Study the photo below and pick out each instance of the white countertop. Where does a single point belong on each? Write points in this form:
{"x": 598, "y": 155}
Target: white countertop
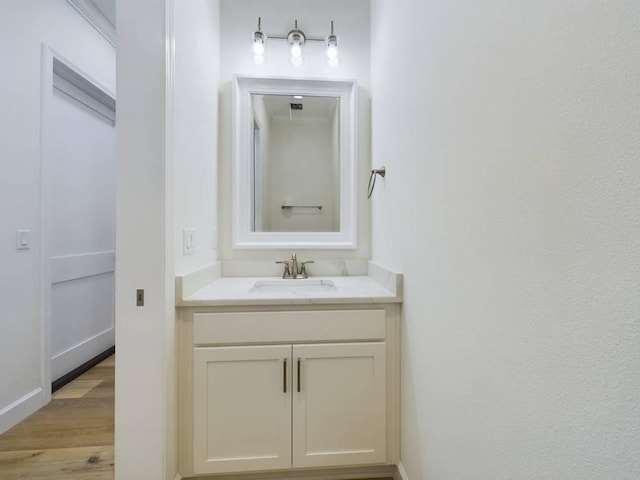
{"x": 234, "y": 291}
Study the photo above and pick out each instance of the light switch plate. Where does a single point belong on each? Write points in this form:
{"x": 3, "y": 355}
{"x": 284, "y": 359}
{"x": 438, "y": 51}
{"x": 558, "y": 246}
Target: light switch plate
{"x": 188, "y": 241}
{"x": 23, "y": 239}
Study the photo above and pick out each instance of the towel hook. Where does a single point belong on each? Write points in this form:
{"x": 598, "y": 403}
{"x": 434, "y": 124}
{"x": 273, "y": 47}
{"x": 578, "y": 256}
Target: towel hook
{"x": 382, "y": 171}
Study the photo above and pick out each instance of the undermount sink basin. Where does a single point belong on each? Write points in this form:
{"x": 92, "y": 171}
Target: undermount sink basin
{"x": 299, "y": 286}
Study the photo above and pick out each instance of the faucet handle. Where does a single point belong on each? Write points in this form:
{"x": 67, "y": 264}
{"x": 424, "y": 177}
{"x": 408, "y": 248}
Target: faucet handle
{"x": 287, "y": 268}
{"x": 303, "y": 269}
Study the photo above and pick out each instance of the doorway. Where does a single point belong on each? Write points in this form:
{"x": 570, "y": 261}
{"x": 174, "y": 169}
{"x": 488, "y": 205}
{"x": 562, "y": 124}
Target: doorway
{"x": 78, "y": 223}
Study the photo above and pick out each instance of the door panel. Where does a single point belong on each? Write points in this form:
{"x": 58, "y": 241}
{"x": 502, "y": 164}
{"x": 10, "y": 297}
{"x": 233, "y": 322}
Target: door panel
{"x": 80, "y": 210}
{"x": 242, "y": 413}
{"x": 339, "y": 411}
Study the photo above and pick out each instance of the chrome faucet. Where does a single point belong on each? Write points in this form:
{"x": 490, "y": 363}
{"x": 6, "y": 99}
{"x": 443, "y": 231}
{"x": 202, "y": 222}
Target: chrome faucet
{"x": 294, "y": 265}
{"x": 291, "y": 269}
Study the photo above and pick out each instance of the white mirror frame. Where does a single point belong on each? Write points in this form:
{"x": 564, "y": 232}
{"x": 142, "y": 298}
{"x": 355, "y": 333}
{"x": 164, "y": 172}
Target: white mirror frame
{"x": 243, "y": 236}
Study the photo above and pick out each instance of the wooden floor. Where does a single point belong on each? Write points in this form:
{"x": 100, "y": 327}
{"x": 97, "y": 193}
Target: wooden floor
{"x": 71, "y": 438}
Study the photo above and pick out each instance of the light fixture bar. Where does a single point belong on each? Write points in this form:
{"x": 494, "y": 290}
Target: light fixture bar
{"x": 296, "y": 39}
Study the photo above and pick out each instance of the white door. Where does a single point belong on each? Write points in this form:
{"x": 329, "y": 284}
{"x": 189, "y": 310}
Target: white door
{"x": 242, "y": 408}
{"x": 339, "y": 404}
{"x": 79, "y": 171}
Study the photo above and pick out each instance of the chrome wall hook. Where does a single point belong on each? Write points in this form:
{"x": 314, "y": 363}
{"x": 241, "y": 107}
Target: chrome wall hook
{"x": 382, "y": 171}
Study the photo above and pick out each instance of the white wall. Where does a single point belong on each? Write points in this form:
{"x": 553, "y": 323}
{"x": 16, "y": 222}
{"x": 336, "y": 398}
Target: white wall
{"x": 512, "y": 205}
{"x": 238, "y": 21}
{"x": 197, "y": 44}
{"x": 24, "y": 26}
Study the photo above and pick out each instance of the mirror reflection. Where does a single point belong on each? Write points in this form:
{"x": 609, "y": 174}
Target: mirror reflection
{"x": 296, "y": 163}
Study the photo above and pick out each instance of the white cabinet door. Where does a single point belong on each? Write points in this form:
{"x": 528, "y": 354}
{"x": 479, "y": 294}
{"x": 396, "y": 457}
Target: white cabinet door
{"x": 339, "y": 404}
{"x": 242, "y": 408}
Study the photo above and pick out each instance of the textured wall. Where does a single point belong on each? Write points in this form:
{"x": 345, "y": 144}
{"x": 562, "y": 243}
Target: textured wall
{"x": 512, "y": 203}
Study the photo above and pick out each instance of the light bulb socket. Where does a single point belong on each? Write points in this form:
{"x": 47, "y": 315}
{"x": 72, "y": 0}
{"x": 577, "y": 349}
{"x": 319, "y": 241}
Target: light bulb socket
{"x": 259, "y": 37}
{"x": 296, "y": 38}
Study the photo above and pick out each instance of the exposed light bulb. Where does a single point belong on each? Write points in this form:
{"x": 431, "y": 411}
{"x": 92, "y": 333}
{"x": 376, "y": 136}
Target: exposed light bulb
{"x": 259, "y": 40}
{"x": 332, "y": 48}
{"x": 296, "y": 41}
{"x": 258, "y": 47}
{"x": 296, "y": 51}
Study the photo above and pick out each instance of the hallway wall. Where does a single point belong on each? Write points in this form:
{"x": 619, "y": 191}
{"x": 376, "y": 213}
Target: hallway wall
{"x": 510, "y": 133}
{"x": 24, "y": 26}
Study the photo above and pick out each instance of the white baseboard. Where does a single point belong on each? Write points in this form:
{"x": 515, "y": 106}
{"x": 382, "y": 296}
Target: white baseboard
{"x": 72, "y": 358}
{"x": 17, "y": 411}
{"x": 401, "y": 473}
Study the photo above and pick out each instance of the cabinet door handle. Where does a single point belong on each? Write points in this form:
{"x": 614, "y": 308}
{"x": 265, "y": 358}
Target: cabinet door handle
{"x": 299, "y": 374}
{"x": 284, "y": 376}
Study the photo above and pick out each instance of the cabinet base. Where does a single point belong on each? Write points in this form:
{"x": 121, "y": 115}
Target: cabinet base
{"x": 354, "y": 473}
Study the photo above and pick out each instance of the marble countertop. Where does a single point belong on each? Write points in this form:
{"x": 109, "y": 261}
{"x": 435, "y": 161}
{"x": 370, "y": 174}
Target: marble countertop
{"x": 234, "y": 291}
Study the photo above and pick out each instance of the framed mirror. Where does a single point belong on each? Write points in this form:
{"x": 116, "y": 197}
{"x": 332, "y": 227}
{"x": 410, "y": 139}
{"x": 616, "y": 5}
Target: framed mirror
{"x": 295, "y": 159}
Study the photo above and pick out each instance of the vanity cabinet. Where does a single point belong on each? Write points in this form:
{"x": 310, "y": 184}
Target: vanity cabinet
{"x": 288, "y": 389}
{"x": 271, "y": 407}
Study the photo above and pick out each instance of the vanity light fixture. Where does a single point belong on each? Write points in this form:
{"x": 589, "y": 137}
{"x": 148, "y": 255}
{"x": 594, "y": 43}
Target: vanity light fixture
{"x": 296, "y": 40}
{"x": 259, "y": 39}
{"x": 332, "y": 49}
